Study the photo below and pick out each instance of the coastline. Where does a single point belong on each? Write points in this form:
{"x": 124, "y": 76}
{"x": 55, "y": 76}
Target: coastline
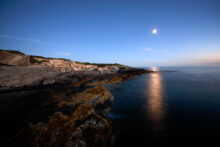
{"x": 65, "y": 108}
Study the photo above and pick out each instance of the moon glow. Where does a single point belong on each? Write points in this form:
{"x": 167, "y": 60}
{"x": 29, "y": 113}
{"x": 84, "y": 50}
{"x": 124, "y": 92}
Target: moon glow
{"x": 154, "y": 31}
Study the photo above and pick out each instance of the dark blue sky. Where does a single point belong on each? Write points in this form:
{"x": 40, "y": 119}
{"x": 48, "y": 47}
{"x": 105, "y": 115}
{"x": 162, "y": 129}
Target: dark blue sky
{"x": 114, "y": 30}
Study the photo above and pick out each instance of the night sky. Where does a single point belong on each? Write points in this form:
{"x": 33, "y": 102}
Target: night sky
{"x": 187, "y": 32}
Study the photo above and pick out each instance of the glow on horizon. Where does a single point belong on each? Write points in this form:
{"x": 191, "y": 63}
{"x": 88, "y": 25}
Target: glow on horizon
{"x": 200, "y": 59}
{"x": 181, "y": 59}
{"x": 154, "y": 69}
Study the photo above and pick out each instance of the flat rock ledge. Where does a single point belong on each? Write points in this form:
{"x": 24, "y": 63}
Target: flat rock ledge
{"x": 69, "y": 112}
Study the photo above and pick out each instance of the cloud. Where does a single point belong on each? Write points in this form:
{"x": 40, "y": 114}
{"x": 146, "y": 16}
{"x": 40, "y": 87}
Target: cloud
{"x": 25, "y": 39}
{"x": 63, "y": 54}
{"x": 164, "y": 51}
{"x": 147, "y": 49}
{"x": 19, "y": 38}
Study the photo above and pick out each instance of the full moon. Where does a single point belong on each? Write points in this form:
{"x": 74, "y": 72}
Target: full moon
{"x": 154, "y": 31}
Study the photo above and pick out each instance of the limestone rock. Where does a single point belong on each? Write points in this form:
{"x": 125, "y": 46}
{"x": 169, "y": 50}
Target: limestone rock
{"x": 14, "y": 58}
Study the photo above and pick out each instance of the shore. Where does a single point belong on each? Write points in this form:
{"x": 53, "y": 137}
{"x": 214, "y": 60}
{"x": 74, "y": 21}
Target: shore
{"x": 57, "y": 102}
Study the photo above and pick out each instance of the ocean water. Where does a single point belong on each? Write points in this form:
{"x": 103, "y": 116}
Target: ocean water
{"x": 180, "y": 107}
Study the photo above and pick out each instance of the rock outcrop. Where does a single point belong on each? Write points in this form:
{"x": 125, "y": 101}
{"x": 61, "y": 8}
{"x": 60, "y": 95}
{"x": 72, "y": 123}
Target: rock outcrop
{"x": 19, "y": 69}
{"x": 75, "y": 123}
{"x": 14, "y": 58}
{"x": 61, "y": 65}
{"x": 56, "y": 102}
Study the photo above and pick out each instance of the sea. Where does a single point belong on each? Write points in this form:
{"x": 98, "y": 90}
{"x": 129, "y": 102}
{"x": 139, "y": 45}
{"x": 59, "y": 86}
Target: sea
{"x": 172, "y": 106}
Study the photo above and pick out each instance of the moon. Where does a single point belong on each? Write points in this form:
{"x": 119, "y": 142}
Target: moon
{"x": 154, "y": 31}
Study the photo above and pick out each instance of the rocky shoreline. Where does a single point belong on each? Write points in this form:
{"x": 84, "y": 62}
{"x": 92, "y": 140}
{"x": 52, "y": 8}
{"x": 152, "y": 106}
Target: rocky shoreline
{"x": 57, "y": 102}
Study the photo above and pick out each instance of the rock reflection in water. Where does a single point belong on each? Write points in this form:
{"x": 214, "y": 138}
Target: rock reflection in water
{"x": 155, "y": 104}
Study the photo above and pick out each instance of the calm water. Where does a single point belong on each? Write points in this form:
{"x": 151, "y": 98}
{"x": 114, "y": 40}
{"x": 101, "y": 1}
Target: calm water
{"x": 172, "y": 107}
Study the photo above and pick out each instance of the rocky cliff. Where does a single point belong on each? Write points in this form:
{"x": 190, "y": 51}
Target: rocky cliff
{"x": 56, "y": 102}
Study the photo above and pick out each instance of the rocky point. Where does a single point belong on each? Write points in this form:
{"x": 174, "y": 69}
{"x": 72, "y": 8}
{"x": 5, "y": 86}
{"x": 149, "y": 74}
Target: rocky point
{"x": 57, "y": 102}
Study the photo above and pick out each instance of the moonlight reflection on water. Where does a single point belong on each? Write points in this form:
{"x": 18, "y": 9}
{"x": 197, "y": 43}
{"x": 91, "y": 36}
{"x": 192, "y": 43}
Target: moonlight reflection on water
{"x": 155, "y": 104}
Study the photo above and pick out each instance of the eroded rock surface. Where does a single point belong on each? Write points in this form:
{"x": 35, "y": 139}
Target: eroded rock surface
{"x": 56, "y": 102}
{"x": 74, "y": 124}
{"x": 14, "y": 58}
{"x": 18, "y": 69}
